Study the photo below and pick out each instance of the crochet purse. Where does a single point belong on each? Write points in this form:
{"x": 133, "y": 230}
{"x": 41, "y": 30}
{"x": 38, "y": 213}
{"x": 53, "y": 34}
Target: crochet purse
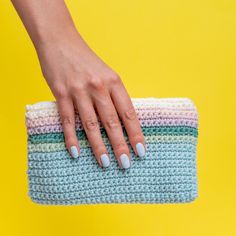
{"x": 166, "y": 174}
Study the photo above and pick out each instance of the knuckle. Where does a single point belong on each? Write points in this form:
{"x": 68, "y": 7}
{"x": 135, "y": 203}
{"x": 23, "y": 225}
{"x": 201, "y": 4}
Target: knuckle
{"x": 112, "y": 122}
{"x": 115, "y": 79}
{"x": 130, "y": 114}
{"x": 61, "y": 92}
{"x": 77, "y": 88}
{"x": 120, "y": 145}
{"x": 66, "y": 120}
{"x": 97, "y": 84}
{"x": 91, "y": 124}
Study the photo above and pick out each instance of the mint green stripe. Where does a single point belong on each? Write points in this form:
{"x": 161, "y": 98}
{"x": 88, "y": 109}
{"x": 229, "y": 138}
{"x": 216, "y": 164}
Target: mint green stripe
{"x": 147, "y": 131}
{"x": 54, "y": 147}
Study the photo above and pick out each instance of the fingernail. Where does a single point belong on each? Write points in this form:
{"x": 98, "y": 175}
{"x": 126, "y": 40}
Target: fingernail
{"x": 74, "y": 152}
{"x": 140, "y": 149}
{"x": 105, "y": 160}
{"x": 125, "y": 162}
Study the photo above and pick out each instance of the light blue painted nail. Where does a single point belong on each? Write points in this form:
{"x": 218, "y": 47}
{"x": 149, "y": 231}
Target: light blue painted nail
{"x": 105, "y": 160}
{"x": 74, "y": 152}
{"x": 140, "y": 149}
{"x": 125, "y": 162}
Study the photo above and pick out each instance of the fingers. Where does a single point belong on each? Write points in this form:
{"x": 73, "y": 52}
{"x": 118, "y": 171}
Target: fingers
{"x": 129, "y": 118}
{"x": 67, "y": 115}
{"x": 111, "y": 122}
{"x": 111, "y": 102}
{"x": 89, "y": 120}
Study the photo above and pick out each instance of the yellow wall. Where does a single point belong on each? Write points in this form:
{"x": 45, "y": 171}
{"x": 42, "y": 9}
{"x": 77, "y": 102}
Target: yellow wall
{"x": 174, "y": 48}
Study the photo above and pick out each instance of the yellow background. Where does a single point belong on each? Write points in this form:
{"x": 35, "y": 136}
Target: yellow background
{"x": 174, "y": 48}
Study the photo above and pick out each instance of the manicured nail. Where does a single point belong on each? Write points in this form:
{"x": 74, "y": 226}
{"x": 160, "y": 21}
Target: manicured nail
{"x": 125, "y": 162}
{"x": 74, "y": 152}
{"x": 105, "y": 160}
{"x": 140, "y": 149}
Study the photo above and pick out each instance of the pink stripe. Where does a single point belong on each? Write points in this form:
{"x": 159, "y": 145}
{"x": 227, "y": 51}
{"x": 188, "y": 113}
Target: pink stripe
{"x": 53, "y": 128}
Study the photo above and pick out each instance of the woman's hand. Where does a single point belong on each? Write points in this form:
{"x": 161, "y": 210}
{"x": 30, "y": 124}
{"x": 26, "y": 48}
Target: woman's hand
{"x": 81, "y": 81}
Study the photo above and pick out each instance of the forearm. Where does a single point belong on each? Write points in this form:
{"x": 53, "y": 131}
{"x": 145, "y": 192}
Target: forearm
{"x": 45, "y": 20}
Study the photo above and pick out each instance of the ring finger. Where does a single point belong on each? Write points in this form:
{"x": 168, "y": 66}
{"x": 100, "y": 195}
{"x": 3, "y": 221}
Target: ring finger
{"x": 89, "y": 121}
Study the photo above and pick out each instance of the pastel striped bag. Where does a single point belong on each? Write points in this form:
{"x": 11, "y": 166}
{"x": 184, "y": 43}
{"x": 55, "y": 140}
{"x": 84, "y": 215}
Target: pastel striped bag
{"x": 166, "y": 174}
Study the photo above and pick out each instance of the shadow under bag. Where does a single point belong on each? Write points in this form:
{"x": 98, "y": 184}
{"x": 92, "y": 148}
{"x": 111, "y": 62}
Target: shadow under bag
{"x": 166, "y": 174}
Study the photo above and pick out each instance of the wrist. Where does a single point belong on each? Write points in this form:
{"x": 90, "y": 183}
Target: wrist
{"x": 47, "y": 37}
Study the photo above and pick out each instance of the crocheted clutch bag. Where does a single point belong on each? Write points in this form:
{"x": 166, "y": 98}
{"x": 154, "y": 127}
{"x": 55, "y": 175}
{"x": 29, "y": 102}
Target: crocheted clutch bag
{"x": 167, "y": 173}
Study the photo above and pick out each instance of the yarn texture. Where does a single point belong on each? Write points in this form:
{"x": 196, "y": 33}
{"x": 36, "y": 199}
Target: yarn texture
{"x": 166, "y": 174}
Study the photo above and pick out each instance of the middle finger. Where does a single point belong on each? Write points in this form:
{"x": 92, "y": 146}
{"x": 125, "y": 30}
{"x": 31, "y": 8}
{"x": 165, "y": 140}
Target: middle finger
{"x": 111, "y": 122}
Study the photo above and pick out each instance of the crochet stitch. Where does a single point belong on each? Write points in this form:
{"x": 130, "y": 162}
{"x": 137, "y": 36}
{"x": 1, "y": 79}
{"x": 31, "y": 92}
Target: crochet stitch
{"x": 166, "y": 174}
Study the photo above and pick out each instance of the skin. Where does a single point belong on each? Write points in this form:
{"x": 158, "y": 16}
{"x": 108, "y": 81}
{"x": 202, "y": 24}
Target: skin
{"x": 79, "y": 80}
